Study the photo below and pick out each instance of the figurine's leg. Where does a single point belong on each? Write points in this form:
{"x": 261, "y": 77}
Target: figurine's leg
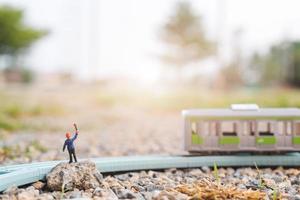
{"x": 74, "y": 154}
{"x": 70, "y": 156}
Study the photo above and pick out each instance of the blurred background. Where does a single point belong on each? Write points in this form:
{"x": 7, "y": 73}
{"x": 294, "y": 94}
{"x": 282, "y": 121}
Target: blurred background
{"x": 124, "y": 70}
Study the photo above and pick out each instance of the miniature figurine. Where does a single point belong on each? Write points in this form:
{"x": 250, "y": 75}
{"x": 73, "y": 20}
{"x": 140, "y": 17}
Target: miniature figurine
{"x": 70, "y": 145}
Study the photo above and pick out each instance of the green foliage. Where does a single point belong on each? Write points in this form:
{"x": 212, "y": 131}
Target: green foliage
{"x": 35, "y": 144}
{"x": 62, "y": 195}
{"x": 293, "y": 69}
{"x": 27, "y": 75}
{"x": 13, "y": 110}
{"x": 15, "y": 36}
{"x": 9, "y": 124}
{"x": 216, "y": 173}
{"x": 280, "y": 65}
{"x": 185, "y": 36}
{"x": 275, "y": 195}
{"x": 15, "y": 151}
{"x": 10, "y": 152}
{"x": 261, "y": 185}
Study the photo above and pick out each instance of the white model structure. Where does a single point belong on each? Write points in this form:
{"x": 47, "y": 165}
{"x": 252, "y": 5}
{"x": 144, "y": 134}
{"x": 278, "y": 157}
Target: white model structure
{"x": 242, "y": 128}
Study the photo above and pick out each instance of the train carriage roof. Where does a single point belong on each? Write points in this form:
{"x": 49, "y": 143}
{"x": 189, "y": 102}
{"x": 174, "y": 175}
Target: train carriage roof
{"x": 267, "y": 113}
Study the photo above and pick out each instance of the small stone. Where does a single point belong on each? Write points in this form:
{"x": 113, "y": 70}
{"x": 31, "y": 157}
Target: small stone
{"x": 45, "y": 197}
{"x": 196, "y": 173}
{"x": 152, "y": 187}
{"x": 297, "y": 197}
{"x": 27, "y": 195}
{"x": 125, "y": 194}
{"x": 205, "y": 169}
{"x": 122, "y": 177}
{"x": 11, "y": 190}
{"x": 5, "y": 197}
{"x": 104, "y": 193}
{"x": 38, "y": 185}
{"x": 75, "y": 195}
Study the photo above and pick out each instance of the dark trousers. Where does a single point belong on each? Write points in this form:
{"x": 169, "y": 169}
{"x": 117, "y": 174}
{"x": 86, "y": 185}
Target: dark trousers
{"x": 71, "y": 155}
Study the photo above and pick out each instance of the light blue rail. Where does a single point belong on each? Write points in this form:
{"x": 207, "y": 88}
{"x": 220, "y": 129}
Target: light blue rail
{"x": 23, "y": 174}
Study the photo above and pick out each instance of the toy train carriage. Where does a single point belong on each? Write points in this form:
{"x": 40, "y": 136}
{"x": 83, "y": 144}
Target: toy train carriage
{"x": 242, "y": 128}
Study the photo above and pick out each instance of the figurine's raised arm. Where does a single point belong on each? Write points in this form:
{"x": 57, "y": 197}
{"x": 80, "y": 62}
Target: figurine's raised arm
{"x": 76, "y": 132}
{"x": 76, "y": 129}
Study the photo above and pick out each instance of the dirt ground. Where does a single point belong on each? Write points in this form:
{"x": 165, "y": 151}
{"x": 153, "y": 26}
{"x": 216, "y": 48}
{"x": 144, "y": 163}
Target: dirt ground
{"x": 108, "y": 126}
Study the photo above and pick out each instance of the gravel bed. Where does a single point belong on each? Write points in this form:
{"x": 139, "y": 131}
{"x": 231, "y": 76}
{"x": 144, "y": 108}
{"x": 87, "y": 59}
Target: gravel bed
{"x": 200, "y": 183}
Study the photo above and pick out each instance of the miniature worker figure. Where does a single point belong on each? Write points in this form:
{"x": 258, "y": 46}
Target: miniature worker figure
{"x": 70, "y": 146}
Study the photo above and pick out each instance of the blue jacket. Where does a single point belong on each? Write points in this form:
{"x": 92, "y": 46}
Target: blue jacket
{"x": 69, "y": 143}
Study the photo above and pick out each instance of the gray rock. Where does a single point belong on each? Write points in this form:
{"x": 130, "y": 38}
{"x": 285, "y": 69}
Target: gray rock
{"x": 81, "y": 175}
{"x": 152, "y": 187}
{"x": 28, "y": 194}
{"x": 11, "y": 190}
{"x": 297, "y": 197}
{"x": 6, "y": 197}
{"x": 45, "y": 197}
{"x": 122, "y": 177}
{"x": 38, "y": 185}
{"x": 205, "y": 169}
{"x": 75, "y": 195}
{"x": 127, "y": 194}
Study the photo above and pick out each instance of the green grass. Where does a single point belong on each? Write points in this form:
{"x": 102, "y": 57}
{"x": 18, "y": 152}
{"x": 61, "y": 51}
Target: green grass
{"x": 275, "y": 195}
{"x": 15, "y": 109}
{"x": 24, "y": 109}
{"x": 216, "y": 173}
{"x": 177, "y": 99}
{"x": 10, "y": 152}
{"x": 261, "y": 185}
{"x": 9, "y": 124}
{"x": 15, "y": 151}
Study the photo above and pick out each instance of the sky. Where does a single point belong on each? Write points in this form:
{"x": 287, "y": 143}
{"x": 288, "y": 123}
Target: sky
{"x": 100, "y": 38}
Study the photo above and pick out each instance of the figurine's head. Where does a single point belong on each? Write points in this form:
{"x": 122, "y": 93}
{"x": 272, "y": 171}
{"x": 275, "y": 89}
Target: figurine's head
{"x": 68, "y": 135}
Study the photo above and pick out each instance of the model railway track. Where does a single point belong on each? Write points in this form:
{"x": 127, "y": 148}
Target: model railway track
{"x": 23, "y": 174}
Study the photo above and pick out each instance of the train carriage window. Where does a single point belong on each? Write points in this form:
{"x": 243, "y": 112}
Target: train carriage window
{"x": 252, "y": 125}
{"x": 265, "y": 128}
{"x": 244, "y": 129}
{"x": 284, "y": 127}
{"x": 288, "y": 128}
{"x": 194, "y": 128}
{"x": 281, "y": 128}
{"x": 205, "y": 128}
{"x": 213, "y": 129}
{"x": 297, "y": 128}
{"x": 209, "y": 128}
{"x": 248, "y": 128}
{"x": 229, "y": 128}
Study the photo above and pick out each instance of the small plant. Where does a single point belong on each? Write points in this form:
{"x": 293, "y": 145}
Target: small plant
{"x": 261, "y": 182}
{"x": 275, "y": 194}
{"x": 216, "y": 173}
{"x": 62, "y": 191}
